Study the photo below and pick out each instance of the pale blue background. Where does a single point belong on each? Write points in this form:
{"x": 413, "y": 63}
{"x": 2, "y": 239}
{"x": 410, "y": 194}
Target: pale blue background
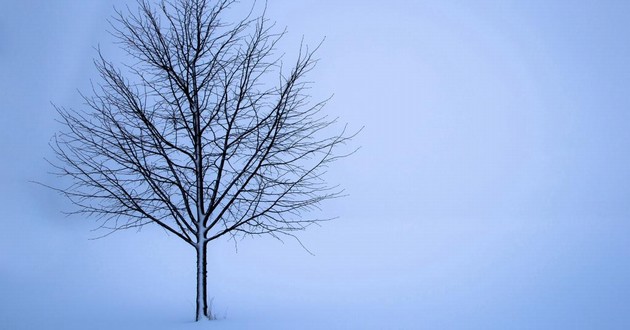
{"x": 491, "y": 190}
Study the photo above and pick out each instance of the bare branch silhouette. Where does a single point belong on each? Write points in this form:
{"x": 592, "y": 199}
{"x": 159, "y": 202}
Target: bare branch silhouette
{"x": 205, "y": 134}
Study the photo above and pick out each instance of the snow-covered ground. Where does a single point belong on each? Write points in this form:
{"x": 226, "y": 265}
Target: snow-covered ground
{"x": 414, "y": 275}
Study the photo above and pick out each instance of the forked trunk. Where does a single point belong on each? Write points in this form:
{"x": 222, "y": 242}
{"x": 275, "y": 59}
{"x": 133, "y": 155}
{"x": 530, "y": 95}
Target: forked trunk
{"x": 202, "y": 293}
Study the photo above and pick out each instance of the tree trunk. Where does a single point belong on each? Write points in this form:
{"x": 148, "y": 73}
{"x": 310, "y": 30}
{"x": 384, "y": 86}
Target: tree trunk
{"x": 202, "y": 294}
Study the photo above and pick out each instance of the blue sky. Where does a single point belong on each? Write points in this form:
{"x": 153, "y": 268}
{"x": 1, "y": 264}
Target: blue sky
{"x": 490, "y": 190}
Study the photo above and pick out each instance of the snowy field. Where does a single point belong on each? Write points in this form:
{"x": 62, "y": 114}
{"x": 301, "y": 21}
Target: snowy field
{"x": 421, "y": 275}
{"x": 491, "y": 191}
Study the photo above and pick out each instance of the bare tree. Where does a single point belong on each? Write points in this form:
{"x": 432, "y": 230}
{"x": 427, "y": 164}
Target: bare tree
{"x": 205, "y": 134}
